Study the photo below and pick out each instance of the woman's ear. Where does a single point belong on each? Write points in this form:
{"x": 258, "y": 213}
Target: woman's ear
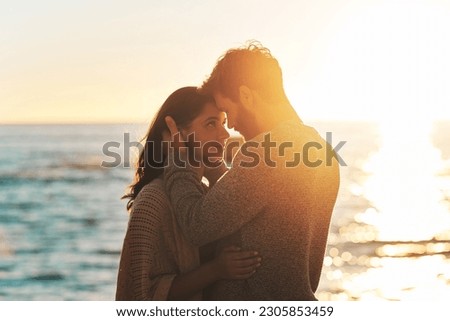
{"x": 246, "y": 96}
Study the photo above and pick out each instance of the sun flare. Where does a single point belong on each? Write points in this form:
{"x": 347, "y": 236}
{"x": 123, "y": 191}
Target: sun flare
{"x": 403, "y": 187}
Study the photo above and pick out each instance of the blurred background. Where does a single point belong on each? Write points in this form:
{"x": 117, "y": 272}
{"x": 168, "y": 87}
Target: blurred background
{"x": 75, "y": 76}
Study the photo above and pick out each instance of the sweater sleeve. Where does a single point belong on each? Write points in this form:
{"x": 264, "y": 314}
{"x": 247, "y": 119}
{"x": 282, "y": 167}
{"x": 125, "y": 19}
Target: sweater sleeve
{"x": 237, "y": 198}
{"x": 145, "y": 273}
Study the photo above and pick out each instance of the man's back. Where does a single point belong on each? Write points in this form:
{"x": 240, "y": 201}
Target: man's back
{"x": 278, "y": 203}
{"x": 291, "y": 231}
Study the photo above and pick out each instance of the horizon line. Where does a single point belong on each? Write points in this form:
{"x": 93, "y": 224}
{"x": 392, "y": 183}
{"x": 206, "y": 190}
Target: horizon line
{"x": 146, "y": 123}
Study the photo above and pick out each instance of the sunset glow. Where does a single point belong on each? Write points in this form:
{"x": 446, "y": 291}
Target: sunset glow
{"x": 82, "y": 62}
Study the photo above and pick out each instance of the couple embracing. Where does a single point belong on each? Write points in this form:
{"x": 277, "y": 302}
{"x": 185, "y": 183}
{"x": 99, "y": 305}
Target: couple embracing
{"x": 254, "y": 230}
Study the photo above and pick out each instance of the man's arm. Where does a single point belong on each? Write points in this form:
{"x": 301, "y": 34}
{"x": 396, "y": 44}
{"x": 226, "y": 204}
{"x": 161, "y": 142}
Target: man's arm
{"x": 238, "y": 197}
{"x": 214, "y": 174}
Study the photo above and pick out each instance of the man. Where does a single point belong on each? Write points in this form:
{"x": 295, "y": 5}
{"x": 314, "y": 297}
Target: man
{"x": 279, "y": 193}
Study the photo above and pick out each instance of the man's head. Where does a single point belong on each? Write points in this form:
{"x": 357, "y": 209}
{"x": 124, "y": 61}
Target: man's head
{"x": 246, "y": 82}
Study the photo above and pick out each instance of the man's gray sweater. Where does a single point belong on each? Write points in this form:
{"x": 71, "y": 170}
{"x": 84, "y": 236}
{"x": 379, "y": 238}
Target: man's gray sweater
{"x": 276, "y": 199}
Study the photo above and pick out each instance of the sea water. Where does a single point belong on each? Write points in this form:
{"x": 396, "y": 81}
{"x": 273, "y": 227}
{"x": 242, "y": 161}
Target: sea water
{"x": 62, "y": 221}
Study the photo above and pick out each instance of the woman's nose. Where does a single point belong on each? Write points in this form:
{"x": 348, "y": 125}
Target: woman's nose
{"x": 224, "y": 134}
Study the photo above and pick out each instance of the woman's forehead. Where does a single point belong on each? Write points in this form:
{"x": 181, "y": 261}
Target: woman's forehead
{"x": 211, "y": 110}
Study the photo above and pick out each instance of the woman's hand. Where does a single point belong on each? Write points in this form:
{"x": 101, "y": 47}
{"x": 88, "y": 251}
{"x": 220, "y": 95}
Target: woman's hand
{"x": 234, "y": 264}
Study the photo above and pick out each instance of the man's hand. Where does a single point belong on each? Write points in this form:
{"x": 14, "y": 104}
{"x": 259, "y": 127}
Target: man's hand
{"x": 178, "y": 151}
{"x": 173, "y": 135}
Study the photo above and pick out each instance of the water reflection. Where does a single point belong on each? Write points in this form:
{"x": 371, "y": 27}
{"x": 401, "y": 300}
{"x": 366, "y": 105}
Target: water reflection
{"x": 403, "y": 187}
{"x": 398, "y": 248}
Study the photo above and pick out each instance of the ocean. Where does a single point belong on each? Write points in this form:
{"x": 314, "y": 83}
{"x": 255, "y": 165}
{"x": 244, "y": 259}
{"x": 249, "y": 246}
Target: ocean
{"x": 62, "y": 221}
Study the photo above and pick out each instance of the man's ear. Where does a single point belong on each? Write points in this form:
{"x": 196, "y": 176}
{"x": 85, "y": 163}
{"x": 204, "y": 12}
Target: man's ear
{"x": 246, "y": 96}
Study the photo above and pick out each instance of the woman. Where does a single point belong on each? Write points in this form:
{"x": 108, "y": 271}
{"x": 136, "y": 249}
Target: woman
{"x": 157, "y": 263}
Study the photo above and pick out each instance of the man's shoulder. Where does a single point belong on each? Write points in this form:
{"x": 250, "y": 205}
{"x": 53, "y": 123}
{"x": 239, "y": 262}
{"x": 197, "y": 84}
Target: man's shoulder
{"x": 285, "y": 146}
{"x": 293, "y": 135}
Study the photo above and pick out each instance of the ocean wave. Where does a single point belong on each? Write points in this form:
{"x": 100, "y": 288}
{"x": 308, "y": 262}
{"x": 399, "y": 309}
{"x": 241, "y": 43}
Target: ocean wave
{"x": 91, "y": 163}
{"x": 13, "y": 178}
{"x": 67, "y": 174}
{"x": 108, "y": 252}
{"x": 23, "y": 205}
{"x": 53, "y": 276}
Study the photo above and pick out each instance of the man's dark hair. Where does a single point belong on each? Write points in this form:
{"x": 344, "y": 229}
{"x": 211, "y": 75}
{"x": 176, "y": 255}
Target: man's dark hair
{"x": 253, "y": 66}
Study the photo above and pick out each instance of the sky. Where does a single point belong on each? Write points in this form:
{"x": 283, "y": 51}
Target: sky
{"x": 116, "y": 61}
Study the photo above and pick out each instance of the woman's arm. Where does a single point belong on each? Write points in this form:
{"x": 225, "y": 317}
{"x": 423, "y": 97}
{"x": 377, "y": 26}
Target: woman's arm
{"x": 230, "y": 264}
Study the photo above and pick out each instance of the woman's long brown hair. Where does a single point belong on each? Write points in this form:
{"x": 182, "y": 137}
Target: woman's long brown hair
{"x": 183, "y": 105}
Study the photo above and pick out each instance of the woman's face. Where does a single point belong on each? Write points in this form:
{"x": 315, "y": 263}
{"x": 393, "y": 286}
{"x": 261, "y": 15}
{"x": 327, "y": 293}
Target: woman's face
{"x": 207, "y": 135}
